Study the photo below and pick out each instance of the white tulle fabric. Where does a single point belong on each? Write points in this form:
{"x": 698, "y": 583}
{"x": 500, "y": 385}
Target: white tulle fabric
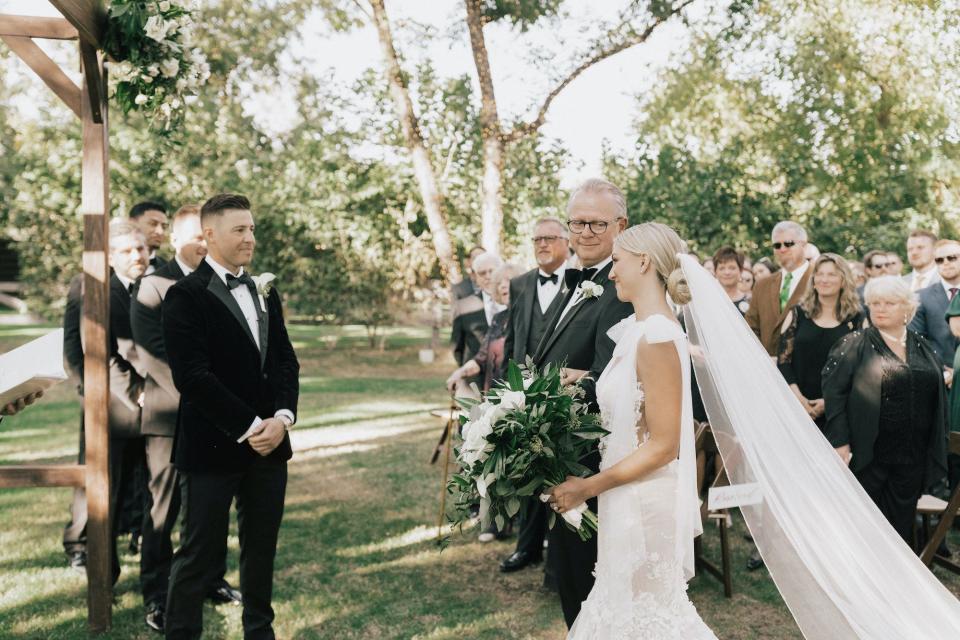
{"x": 842, "y": 570}
{"x": 646, "y": 527}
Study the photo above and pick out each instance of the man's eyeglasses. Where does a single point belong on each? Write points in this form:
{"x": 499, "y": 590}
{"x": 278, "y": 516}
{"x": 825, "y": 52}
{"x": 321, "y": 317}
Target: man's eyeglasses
{"x": 951, "y": 258}
{"x": 546, "y": 239}
{"x": 781, "y": 245}
{"x": 880, "y": 265}
{"x": 596, "y": 227}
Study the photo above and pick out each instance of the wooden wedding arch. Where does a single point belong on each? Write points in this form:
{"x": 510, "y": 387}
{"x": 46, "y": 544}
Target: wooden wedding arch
{"x": 84, "y": 21}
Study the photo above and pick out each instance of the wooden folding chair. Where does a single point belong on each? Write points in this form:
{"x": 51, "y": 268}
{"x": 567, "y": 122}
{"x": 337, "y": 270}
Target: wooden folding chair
{"x": 706, "y": 444}
{"x": 930, "y": 506}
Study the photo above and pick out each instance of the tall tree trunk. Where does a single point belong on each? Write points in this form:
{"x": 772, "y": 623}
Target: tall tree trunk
{"x": 493, "y": 145}
{"x": 422, "y": 164}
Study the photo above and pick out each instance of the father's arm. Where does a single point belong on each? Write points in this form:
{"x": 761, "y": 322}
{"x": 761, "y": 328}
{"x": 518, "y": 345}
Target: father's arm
{"x": 188, "y": 353}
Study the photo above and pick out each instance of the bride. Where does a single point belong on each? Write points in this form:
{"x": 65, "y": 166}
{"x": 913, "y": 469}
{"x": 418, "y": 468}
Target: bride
{"x": 844, "y": 573}
{"x": 648, "y": 507}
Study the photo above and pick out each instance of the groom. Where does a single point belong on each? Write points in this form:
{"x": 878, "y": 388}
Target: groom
{"x": 237, "y": 375}
{"x": 577, "y": 336}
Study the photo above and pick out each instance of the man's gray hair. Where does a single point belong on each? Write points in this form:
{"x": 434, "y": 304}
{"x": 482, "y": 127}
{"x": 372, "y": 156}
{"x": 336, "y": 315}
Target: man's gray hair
{"x": 564, "y": 232}
{"x": 791, "y": 226}
{"x": 599, "y": 185}
{"x": 486, "y": 259}
{"x": 120, "y": 227}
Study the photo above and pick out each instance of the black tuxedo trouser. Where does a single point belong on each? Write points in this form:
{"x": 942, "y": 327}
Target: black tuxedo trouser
{"x": 572, "y": 562}
{"x": 206, "y": 499}
{"x": 533, "y": 527}
{"x": 160, "y": 517}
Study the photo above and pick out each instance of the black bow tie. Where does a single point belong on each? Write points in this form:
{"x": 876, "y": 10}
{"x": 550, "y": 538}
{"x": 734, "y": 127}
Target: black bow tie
{"x": 234, "y": 281}
{"x": 130, "y": 288}
{"x": 545, "y": 279}
{"x": 153, "y": 261}
{"x": 574, "y": 277}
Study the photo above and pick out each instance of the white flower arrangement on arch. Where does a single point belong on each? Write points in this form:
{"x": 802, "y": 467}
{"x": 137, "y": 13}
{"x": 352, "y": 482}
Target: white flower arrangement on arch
{"x": 153, "y": 67}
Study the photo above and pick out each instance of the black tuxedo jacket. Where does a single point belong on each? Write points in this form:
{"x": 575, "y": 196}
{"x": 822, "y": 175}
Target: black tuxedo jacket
{"x": 523, "y": 297}
{"x": 224, "y": 380}
{"x": 580, "y": 338}
{"x": 161, "y": 398}
{"x": 126, "y": 382}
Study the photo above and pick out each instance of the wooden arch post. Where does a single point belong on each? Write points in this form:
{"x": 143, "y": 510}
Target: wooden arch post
{"x": 85, "y": 21}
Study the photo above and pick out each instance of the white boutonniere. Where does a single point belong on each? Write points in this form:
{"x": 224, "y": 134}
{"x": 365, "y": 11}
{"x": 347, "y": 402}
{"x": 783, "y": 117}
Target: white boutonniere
{"x": 590, "y": 289}
{"x": 264, "y": 283}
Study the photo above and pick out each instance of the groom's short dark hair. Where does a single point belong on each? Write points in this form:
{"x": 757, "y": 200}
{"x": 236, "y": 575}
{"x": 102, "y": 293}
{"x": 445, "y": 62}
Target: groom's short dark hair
{"x": 219, "y": 203}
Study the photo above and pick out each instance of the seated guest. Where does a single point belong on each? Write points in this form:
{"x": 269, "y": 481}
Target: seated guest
{"x": 473, "y": 314}
{"x": 886, "y": 406}
{"x": 829, "y": 310}
{"x": 931, "y": 321}
{"x": 728, "y": 265}
{"x": 490, "y": 359}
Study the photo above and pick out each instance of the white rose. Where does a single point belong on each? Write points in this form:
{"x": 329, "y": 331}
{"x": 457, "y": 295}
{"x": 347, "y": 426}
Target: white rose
{"x": 156, "y": 28}
{"x": 511, "y": 400}
{"x": 165, "y": 5}
{"x": 140, "y": 99}
{"x": 170, "y": 67}
{"x": 146, "y": 78}
{"x": 153, "y": 70}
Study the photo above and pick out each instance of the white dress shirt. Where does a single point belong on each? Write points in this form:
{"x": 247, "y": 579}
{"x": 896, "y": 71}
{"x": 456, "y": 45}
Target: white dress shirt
{"x": 245, "y": 300}
{"x": 490, "y": 307}
{"x": 124, "y": 281}
{"x": 576, "y": 294}
{"x": 547, "y": 291}
{"x": 183, "y": 266}
{"x": 922, "y": 279}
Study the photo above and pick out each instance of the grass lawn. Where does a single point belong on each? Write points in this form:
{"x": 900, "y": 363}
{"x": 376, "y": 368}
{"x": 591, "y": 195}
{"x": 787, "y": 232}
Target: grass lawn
{"x": 357, "y": 557}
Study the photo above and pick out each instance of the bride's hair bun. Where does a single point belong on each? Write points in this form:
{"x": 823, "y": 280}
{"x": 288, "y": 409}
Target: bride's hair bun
{"x": 677, "y": 287}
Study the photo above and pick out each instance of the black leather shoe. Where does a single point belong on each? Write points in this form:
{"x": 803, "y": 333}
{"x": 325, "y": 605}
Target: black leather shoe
{"x": 77, "y": 560}
{"x": 518, "y": 560}
{"x": 155, "y": 617}
{"x": 754, "y": 562}
{"x": 134, "y": 547}
{"x": 225, "y": 594}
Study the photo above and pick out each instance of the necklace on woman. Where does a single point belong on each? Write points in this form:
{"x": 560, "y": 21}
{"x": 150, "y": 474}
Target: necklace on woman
{"x": 902, "y": 341}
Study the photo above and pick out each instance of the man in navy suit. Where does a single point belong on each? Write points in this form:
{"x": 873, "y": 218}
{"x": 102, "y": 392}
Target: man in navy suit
{"x": 930, "y": 320}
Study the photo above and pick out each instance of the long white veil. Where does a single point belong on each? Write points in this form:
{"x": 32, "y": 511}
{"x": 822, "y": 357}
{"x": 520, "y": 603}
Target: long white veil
{"x": 841, "y": 569}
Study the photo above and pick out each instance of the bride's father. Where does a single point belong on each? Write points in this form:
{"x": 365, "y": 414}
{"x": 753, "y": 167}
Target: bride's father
{"x": 237, "y": 375}
{"x": 577, "y": 335}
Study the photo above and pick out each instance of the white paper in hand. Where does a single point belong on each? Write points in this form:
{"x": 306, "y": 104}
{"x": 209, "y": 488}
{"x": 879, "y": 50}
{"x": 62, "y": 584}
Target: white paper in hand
{"x": 35, "y": 366}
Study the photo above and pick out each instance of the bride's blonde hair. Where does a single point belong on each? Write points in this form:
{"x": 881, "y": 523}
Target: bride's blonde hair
{"x": 661, "y": 244}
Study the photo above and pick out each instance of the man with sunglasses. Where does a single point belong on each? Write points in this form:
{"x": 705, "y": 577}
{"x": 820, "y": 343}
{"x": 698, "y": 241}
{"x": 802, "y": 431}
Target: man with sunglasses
{"x": 930, "y": 320}
{"x": 774, "y": 296}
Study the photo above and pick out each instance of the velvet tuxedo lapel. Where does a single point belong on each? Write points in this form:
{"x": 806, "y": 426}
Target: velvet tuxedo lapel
{"x": 220, "y": 291}
{"x": 525, "y": 305}
{"x": 263, "y": 324}
{"x": 561, "y": 323}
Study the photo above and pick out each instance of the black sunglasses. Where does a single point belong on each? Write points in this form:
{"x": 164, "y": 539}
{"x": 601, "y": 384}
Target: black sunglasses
{"x": 778, "y": 245}
{"x": 942, "y": 259}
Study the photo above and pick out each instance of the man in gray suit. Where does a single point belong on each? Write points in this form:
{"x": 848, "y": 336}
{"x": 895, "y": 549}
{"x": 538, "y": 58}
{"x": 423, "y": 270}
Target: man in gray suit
{"x": 160, "y": 405}
{"x": 930, "y": 320}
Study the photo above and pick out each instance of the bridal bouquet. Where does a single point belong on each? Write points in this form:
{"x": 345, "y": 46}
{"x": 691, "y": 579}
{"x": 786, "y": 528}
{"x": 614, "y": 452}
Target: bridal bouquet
{"x": 528, "y": 434}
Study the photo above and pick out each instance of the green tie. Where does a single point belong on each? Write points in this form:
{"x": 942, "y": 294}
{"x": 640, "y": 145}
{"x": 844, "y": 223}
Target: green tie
{"x": 785, "y": 290}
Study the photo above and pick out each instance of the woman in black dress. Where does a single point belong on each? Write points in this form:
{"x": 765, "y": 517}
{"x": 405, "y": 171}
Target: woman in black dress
{"x": 829, "y": 310}
{"x": 886, "y": 405}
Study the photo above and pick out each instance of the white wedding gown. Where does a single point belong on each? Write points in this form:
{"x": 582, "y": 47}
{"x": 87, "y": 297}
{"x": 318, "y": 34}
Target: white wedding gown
{"x": 646, "y": 527}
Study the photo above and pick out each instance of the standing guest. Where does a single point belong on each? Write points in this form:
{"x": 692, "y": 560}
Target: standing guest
{"x": 811, "y": 252}
{"x": 710, "y": 266}
{"x": 886, "y": 406}
{"x": 468, "y": 286}
{"x": 953, "y": 460}
{"x": 920, "y": 245}
{"x": 490, "y": 360}
{"x": 875, "y": 263}
{"x": 746, "y": 282}
{"x": 161, "y": 400}
{"x": 774, "y": 296}
{"x": 829, "y": 310}
{"x": 894, "y": 264}
{"x": 747, "y": 263}
{"x": 577, "y": 335}
{"x": 763, "y": 268}
{"x": 151, "y": 218}
{"x": 728, "y": 268}
{"x": 859, "y": 272}
{"x": 128, "y": 260}
{"x": 930, "y": 320}
{"x": 535, "y": 297}
{"x": 238, "y": 378}
{"x": 474, "y": 313}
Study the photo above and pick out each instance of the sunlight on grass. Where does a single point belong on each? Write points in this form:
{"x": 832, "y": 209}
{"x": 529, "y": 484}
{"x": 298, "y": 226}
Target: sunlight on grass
{"x": 388, "y": 427}
{"x": 329, "y": 452}
{"x": 419, "y": 534}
